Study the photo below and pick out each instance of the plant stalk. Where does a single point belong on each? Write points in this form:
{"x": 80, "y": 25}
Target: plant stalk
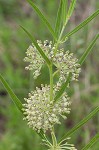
{"x": 60, "y": 36}
{"x": 51, "y": 82}
{"x": 54, "y": 139}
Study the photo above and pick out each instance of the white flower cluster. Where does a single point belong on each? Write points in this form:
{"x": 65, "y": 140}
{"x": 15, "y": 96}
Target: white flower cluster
{"x": 40, "y": 112}
{"x": 66, "y": 64}
{"x": 64, "y": 61}
{"x": 35, "y": 59}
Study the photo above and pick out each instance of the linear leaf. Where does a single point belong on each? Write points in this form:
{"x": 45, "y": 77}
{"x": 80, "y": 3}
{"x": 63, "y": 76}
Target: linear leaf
{"x": 42, "y": 17}
{"x": 81, "y": 123}
{"x": 71, "y": 8}
{"x": 92, "y": 142}
{"x": 58, "y": 20}
{"x": 37, "y": 46}
{"x": 88, "y": 50}
{"x": 11, "y": 93}
{"x": 81, "y": 25}
{"x": 64, "y": 9}
{"x": 63, "y": 87}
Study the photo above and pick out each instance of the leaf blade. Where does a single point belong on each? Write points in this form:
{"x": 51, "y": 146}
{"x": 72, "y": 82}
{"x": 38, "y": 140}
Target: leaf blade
{"x": 58, "y": 20}
{"x": 81, "y": 25}
{"x": 81, "y": 123}
{"x": 71, "y": 8}
{"x": 42, "y": 17}
{"x": 62, "y": 89}
{"x": 65, "y": 9}
{"x": 37, "y": 46}
{"x": 88, "y": 50}
{"x": 15, "y": 99}
{"x": 92, "y": 142}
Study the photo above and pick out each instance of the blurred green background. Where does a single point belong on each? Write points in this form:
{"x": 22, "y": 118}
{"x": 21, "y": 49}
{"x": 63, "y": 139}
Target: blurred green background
{"x": 14, "y": 133}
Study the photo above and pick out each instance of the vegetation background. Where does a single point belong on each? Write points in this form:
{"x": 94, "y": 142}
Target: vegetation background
{"x": 14, "y": 133}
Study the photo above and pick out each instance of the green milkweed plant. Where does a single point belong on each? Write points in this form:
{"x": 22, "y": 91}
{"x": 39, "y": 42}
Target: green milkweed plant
{"x": 46, "y": 105}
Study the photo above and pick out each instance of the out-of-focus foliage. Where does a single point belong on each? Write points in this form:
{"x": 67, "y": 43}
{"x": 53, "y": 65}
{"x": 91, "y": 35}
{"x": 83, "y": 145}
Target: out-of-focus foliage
{"x": 14, "y": 133}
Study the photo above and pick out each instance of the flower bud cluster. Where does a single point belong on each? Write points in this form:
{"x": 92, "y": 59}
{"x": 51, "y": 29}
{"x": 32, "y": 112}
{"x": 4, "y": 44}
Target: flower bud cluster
{"x": 40, "y": 112}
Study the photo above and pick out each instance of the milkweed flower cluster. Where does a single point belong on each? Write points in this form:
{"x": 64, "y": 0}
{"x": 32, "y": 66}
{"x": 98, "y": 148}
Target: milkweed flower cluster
{"x": 42, "y": 113}
{"x": 66, "y": 64}
{"x": 64, "y": 61}
{"x": 39, "y": 110}
{"x": 35, "y": 59}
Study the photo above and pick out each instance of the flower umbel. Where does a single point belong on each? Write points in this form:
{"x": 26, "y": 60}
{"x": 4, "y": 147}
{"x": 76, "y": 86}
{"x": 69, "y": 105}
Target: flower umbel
{"x": 42, "y": 113}
{"x": 64, "y": 61}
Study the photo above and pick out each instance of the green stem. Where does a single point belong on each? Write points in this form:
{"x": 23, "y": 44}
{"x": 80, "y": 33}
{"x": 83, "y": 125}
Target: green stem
{"x": 59, "y": 39}
{"x": 54, "y": 139}
{"x": 51, "y": 82}
{"x": 63, "y": 28}
{"x": 60, "y": 36}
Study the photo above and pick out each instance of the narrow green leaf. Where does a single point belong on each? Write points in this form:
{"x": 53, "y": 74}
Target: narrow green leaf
{"x": 37, "y": 46}
{"x": 58, "y": 20}
{"x": 63, "y": 87}
{"x": 81, "y": 123}
{"x": 92, "y": 142}
{"x": 64, "y": 10}
{"x": 11, "y": 93}
{"x": 88, "y": 50}
{"x": 71, "y": 8}
{"x": 42, "y": 17}
{"x": 81, "y": 25}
